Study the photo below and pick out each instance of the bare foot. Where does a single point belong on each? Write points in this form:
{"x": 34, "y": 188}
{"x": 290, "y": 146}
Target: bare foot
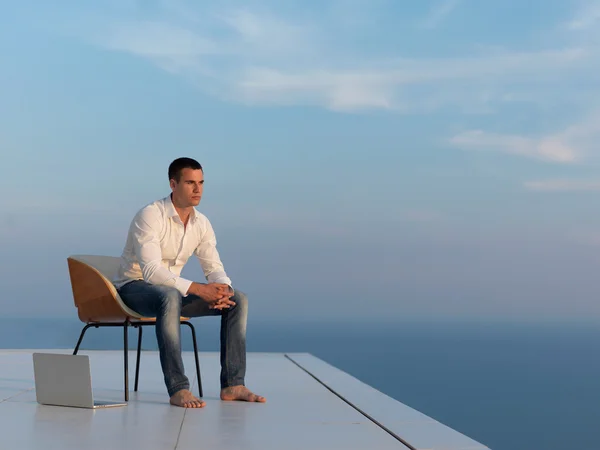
{"x": 240, "y": 393}
{"x": 185, "y": 399}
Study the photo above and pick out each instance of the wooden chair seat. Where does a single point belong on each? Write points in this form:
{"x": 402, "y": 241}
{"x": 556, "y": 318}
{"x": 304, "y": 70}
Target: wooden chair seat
{"x": 99, "y": 305}
{"x": 153, "y": 319}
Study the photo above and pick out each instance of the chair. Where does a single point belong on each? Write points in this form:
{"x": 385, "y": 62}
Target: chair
{"x": 99, "y": 305}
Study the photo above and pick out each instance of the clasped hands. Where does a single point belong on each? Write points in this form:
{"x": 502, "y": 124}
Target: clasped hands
{"x": 222, "y": 293}
{"x": 217, "y": 295}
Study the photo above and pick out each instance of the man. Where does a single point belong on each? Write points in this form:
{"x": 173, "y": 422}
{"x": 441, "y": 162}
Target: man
{"x": 162, "y": 237}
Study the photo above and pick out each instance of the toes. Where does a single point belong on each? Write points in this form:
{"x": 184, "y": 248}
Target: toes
{"x": 255, "y": 398}
{"x": 187, "y": 401}
{"x": 243, "y": 394}
{"x": 196, "y": 403}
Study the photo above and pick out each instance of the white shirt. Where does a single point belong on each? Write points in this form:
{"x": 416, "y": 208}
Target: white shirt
{"x": 158, "y": 246}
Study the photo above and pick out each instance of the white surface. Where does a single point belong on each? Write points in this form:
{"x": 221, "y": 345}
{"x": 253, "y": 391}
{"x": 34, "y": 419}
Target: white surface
{"x": 419, "y": 430}
{"x": 300, "y": 412}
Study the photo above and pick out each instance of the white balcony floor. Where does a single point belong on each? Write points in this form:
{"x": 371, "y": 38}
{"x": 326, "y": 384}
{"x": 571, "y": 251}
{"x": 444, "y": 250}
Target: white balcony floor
{"x": 301, "y": 411}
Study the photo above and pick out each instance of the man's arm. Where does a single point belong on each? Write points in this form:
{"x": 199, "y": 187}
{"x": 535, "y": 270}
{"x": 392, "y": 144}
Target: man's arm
{"x": 146, "y": 228}
{"x": 209, "y": 258}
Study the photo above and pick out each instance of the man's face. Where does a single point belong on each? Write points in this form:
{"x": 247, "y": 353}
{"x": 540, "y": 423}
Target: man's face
{"x": 188, "y": 191}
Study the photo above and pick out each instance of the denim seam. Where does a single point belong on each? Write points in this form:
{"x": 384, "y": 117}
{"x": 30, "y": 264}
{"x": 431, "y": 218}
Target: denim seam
{"x": 178, "y": 387}
{"x": 226, "y": 347}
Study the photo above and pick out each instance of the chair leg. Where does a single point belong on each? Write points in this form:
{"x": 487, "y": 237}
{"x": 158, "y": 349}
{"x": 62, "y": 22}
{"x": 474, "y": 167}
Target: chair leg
{"x": 125, "y": 360}
{"x": 137, "y": 364}
{"x": 196, "y": 356}
{"x": 81, "y": 338}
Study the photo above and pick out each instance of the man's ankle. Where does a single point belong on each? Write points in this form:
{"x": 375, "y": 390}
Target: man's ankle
{"x": 175, "y": 391}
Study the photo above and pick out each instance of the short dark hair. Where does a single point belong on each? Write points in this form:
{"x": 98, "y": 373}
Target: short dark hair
{"x": 179, "y": 164}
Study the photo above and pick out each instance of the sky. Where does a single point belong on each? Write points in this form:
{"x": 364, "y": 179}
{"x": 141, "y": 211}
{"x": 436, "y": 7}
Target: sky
{"x": 364, "y": 159}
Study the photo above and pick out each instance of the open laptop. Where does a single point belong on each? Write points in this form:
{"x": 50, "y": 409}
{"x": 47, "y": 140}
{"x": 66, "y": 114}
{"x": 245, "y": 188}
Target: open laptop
{"x": 65, "y": 380}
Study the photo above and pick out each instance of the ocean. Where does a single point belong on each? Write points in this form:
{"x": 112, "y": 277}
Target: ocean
{"x": 509, "y": 386}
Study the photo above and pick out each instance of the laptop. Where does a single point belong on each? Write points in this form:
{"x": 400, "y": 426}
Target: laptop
{"x": 65, "y": 380}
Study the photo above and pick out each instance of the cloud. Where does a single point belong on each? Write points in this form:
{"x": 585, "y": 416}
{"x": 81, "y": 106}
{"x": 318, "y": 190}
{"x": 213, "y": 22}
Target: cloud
{"x": 439, "y": 12}
{"x": 572, "y": 145}
{"x": 265, "y": 34}
{"x": 563, "y": 185}
{"x": 258, "y": 57}
{"x": 586, "y": 17}
{"x": 548, "y": 149}
{"x": 398, "y": 85}
{"x": 172, "y": 48}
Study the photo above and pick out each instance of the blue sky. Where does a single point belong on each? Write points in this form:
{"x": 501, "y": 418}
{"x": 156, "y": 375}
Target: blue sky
{"x": 363, "y": 159}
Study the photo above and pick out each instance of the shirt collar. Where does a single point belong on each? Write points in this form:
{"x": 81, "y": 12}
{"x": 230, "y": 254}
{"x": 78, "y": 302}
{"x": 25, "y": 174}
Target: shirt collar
{"x": 172, "y": 212}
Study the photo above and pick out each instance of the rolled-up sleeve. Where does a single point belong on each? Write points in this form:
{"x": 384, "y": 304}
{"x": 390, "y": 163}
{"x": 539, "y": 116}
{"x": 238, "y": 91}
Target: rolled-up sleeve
{"x": 146, "y": 228}
{"x": 209, "y": 258}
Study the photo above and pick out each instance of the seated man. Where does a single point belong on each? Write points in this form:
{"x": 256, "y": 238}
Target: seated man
{"x": 162, "y": 237}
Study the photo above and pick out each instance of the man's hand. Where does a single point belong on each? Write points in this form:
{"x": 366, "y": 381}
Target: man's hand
{"x": 224, "y": 302}
{"x": 215, "y": 294}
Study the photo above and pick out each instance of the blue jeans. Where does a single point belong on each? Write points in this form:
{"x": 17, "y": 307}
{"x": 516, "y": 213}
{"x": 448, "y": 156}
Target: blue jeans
{"x": 168, "y": 305}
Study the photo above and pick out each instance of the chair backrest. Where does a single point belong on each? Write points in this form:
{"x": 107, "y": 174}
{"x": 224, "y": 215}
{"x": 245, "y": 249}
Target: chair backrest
{"x": 96, "y": 298}
{"x": 108, "y": 266}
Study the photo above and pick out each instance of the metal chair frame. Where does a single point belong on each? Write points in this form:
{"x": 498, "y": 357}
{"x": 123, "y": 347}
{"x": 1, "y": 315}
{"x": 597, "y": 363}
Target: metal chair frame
{"x": 139, "y": 326}
{"x": 99, "y": 305}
